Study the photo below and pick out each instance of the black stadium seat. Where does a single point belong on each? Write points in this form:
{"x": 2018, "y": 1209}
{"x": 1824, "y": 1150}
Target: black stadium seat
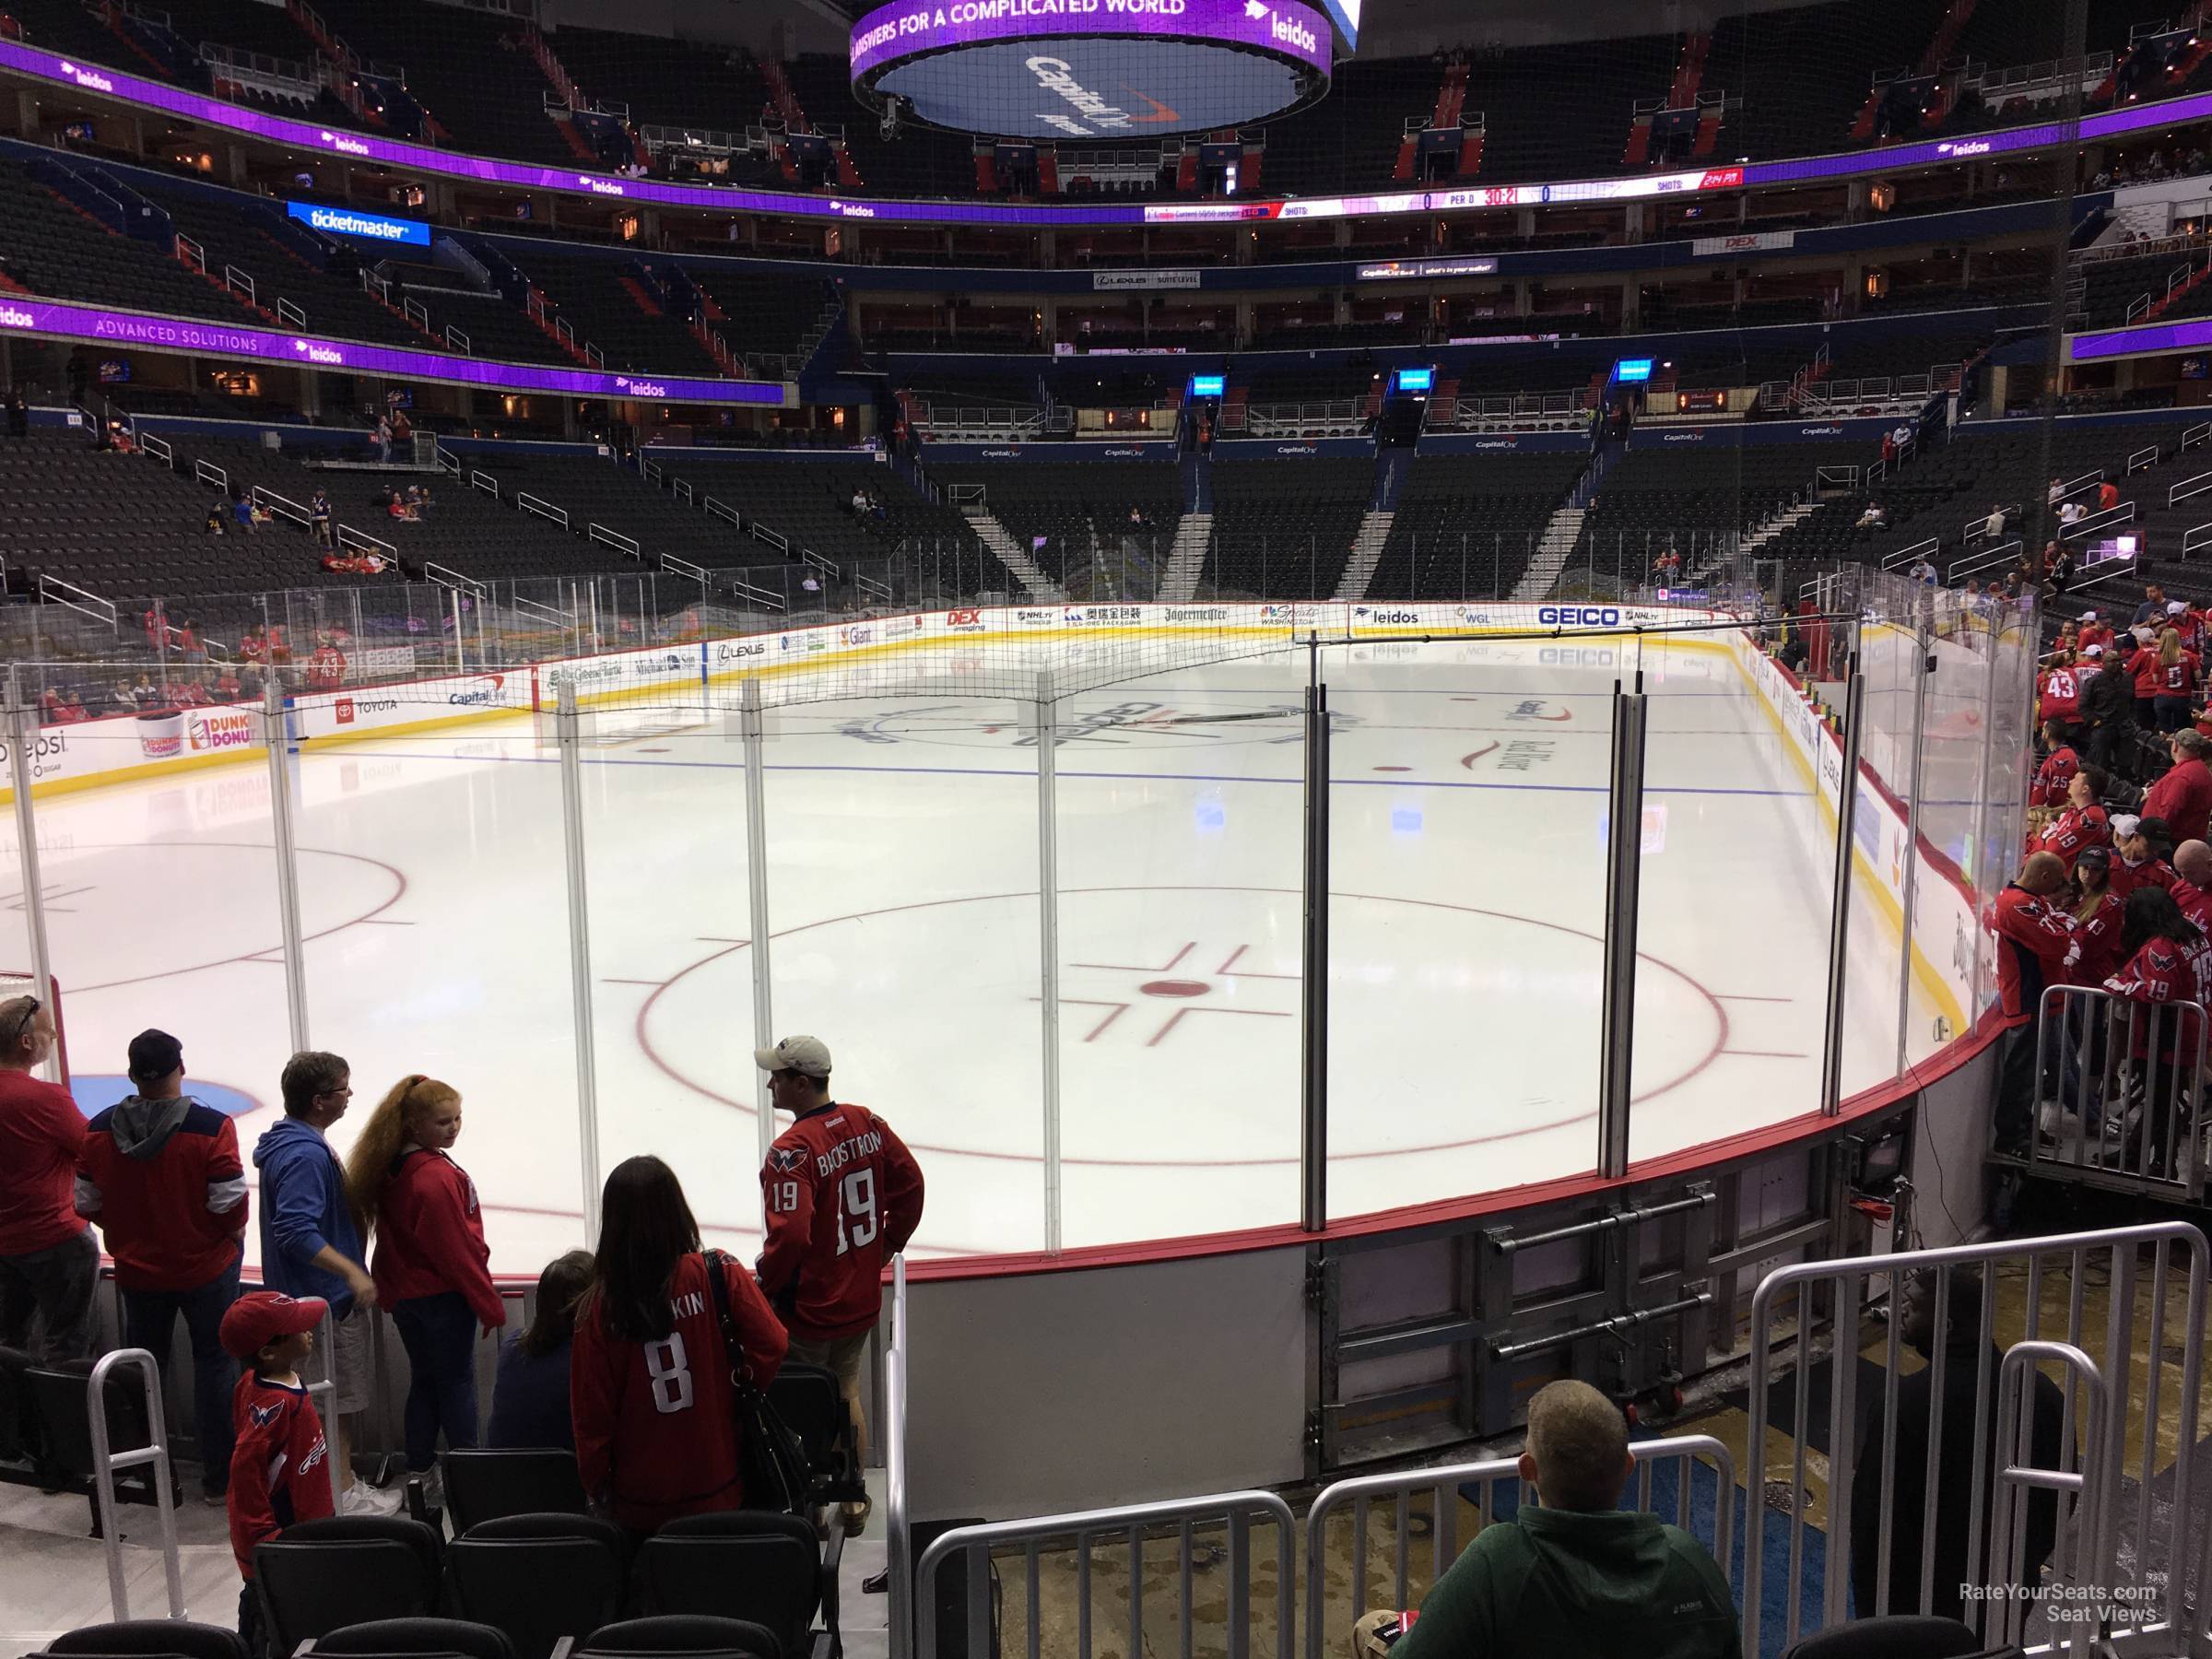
{"x": 416, "y": 1638}
{"x": 742, "y": 1564}
{"x": 150, "y": 1638}
{"x": 692, "y": 1636}
{"x": 319, "y": 1576}
{"x": 538, "y": 1578}
{"x": 485, "y": 1484}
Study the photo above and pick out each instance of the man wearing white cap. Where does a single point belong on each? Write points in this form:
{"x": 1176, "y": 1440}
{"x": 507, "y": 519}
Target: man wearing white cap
{"x": 842, "y": 1196}
{"x": 2093, "y": 631}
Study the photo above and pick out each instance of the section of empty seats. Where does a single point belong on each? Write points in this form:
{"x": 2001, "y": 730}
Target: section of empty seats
{"x": 51, "y": 246}
{"x": 123, "y": 526}
{"x": 612, "y": 303}
{"x": 664, "y": 81}
{"x": 760, "y": 315}
{"x": 920, "y": 160}
{"x": 1353, "y": 135}
{"x": 234, "y": 233}
{"x": 1523, "y": 94}
{"x": 1802, "y": 73}
{"x": 2120, "y": 291}
{"x": 468, "y": 69}
{"x": 1466, "y": 525}
{"x": 810, "y": 505}
{"x": 1090, "y": 525}
{"x": 265, "y": 29}
{"x": 1283, "y": 528}
{"x": 1656, "y": 499}
{"x": 594, "y": 490}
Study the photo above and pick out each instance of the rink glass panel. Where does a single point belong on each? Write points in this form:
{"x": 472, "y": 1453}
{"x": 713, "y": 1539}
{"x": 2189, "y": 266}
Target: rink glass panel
{"x": 901, "y": 812}
{"x": 1468, "y": 801}
{"x": 467, "y": 976}
{"x": 1180, "y": 822}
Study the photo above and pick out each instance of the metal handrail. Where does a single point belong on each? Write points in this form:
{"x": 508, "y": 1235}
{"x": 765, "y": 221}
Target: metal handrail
{"x": 265, "y": 497}
{"x": 622, "y": 544}
{"x": 107, "y": 1463}
{"x": 544, "y": 509}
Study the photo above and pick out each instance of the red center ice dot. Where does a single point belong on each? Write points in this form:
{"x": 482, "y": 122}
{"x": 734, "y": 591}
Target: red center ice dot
{"x": 1175, "y": 988}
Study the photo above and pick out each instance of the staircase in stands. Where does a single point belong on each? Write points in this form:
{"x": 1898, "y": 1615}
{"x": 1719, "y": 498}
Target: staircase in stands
{"x": 1562, "y": 532}
{"x": 1014, "y": 555}
{"x": 1367, "y": 553}
{"x": 1186, "y": 558}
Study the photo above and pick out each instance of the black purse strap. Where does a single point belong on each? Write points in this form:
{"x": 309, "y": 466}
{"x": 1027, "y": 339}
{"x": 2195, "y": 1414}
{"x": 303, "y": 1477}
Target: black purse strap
{"x": 732, "y": 1349}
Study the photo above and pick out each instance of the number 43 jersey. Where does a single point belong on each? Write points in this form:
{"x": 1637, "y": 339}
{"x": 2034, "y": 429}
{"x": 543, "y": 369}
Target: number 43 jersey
{"x": 842, "y": 1196}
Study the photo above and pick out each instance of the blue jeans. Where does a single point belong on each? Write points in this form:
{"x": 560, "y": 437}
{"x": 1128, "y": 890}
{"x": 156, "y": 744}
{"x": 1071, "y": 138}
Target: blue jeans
{"x": 439, "y": 1335}
{"x": 149, "y": 1322}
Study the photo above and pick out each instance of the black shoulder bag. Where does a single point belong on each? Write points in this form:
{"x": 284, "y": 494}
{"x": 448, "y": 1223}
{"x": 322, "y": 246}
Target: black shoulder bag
{"x": 770, "y": 1457}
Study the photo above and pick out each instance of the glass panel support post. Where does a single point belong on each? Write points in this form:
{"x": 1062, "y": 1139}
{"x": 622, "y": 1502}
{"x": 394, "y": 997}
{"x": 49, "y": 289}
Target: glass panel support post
{"x": 1313, "y": 969}
{"x": 22, "y": 740}
{"x": 1624, "y": 873}
{"x": 1046, "y": 720}
{"x": 568, "y": 727}
{"x": 1839, "y": 920}
{"x": 752, "y": 729}
{"x": 274, "y": 738}
{"x": 1924, "y": 670}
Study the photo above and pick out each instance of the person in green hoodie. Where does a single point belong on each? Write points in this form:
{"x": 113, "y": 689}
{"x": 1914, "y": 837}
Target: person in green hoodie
{"x": 1578, "y": 1575}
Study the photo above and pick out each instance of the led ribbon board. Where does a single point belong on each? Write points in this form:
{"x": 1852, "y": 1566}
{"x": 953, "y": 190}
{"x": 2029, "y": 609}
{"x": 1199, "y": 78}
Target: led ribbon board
{"x": 426, "y": 161}
{"x": 1091, "y": 69}
{"x": 19, "y": 315}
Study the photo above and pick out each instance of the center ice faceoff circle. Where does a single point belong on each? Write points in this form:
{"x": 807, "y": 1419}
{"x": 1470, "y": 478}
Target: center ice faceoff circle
{"x": 1145, "y": 1007}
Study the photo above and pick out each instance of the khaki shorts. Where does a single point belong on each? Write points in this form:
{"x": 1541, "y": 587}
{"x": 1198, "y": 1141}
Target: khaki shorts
{"x": 840, "y": 1356}
{"x": 356, "y": 1364}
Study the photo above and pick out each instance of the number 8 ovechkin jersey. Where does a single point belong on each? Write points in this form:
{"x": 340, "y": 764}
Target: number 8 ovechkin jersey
{"x": 843, "y": 1195}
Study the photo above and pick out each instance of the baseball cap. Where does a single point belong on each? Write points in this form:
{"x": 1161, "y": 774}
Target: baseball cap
{"x": 808, "y": 1055}
{"x": 2099, "y": 856}
{"x": 259, "y": 1317}
{"x": 2174, "y": 608}
{"x": 2125, "y": 823}
{"x": 2092, "y": 651}
{"x": 154, "y": 1054}
{"x": 2089, "y": 616}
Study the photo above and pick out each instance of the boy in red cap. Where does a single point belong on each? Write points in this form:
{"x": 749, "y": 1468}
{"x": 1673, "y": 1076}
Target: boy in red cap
{"x": 279, "y": 1465}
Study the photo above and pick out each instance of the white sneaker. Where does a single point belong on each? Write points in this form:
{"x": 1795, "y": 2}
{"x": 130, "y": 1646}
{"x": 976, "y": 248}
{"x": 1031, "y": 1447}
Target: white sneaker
{"x": 361, "y": 1499}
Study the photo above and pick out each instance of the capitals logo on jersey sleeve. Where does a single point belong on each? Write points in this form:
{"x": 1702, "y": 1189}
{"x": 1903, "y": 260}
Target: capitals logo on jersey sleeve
{"x": 786, "y": 1161}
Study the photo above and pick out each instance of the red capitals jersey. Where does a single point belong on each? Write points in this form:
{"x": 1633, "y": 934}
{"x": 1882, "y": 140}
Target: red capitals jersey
{"x": 2178, "y": 679}
{"x": 326, "y": 668}
{"x": 656, "y": 1424}
{"x": 2094, "y": 957}
{"x": 2095, "y": 633}
{"x": 2167, "y": 971}
{"x": 2151, "y": 871}
{"x": 2053, "y": 776}
{"x": 2032, "y": 941}
{"x": 2075, "y": 828}
{"x": 2062, "y": 695}
{"x": 279, "y": 1468}
{"x": 842, "y": 1196}
{"x": 2196, "y": 903}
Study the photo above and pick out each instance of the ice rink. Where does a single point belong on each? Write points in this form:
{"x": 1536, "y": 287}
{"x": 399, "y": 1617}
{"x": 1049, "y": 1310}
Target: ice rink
{"x": 1469, "y": 818}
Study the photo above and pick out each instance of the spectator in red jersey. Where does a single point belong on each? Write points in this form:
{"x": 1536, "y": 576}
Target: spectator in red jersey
{"x": 2060, "y": 703}
{"x": 2136, "y": 861}
{"x": 279, "y": 1461}
{"x": 2097, "y": 913}
{"x": 2191, "y": 888}
{"x": 2141, "y": 666}
{"x": 2184, "y": 797}
{"x": 69, "y": 710}
{"x": 2083, "y": 823}
{"x": 649, "y": 1372}
{"x": 2093, "y": 631}
{"x": 2107, "y": 496}
{"x": 326, "y": 666}
{"x": 225, "y": 683}
{"x": 2168, "y": 961}
{"x": 49, "y": 1263}
{"x": 193, "y": 693}
{"x": 431, "y": 1265}
{"x": 160, "y": 1175}
{"x": 2033, "y": 937}
{"x": 842, "y": 1196}
{"x": 2057, "y": 769}
{"x": 2175, "y": 686}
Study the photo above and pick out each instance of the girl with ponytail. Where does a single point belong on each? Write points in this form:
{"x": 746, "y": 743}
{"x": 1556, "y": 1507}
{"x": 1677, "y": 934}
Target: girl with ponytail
{"x": 429, "y": 1261}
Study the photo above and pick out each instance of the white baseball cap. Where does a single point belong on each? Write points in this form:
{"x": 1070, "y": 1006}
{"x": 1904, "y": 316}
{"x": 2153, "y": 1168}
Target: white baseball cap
{"x": 2174, "y": 608}
{"x": 2089, "y": 616}
{"x": 807, "y": 1055}
{"x": 2092, "y": 651}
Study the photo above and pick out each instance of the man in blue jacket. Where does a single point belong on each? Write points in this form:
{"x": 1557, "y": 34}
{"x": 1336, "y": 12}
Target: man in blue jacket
{"x": 310, "y": 1246}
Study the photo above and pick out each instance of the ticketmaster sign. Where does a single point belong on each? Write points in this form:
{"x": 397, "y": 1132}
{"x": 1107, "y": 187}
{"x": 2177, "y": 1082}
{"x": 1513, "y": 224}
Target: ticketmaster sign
{"x": 346, "y": 221}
